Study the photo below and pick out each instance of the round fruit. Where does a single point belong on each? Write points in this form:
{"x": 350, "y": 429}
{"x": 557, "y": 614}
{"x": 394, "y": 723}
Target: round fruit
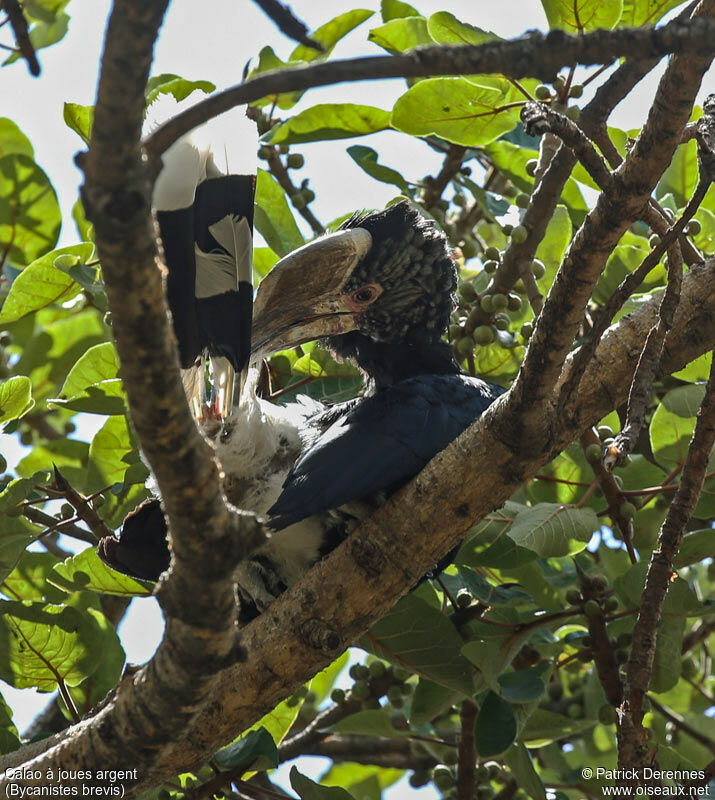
{"x": 265, "y": 152}
{"x": 531, "y": 166}
{"x": 654, "y": 240}
{"x": 3, "y": 463}
{"x": 542, "y": 92}
{"x": 526, "y": 330}
{"x": 514, "y": 302}
{"x": 611, "y": 604}
{"x": 490, "y": 266}
{"x": 593, "y": 453}
{"x": 693, "y": 228}
{"x": 298, "y": 200}
{"x": 399, "y": 722}
{"x": 627, "y": 510}
{"x": 559, "y": 83}
{"x": 522, "y": 200}
{"x": 465, "y": 345}
{"x": 493, "y": 253}
{"x": 507, "y": 229}
{"x": 66, "y": 511}
{"x": 464, "y": 598}
{"x": 689, "y": 668}
{"x": 459, "y": 200}
{"x": 591, "y": 609}
{"x": 419, "y": 778}
{"x": 484, "y": 335}
{"x": 283, "y": 148}
{"x": 361, "y": 690}
{"x": 309, "y": 195}
{"x": 573, "y": 596}
{"x": 442, "y": 777}
{"x": 377, "y": 669}
{"x": 338, "y": 696}
{"x": 576, "y": 90}
{"x": 401, "y": 674}
{"x": 469, "y": 248}
{"x": 455, "y": 331}
{"x": 466, "y": 291}
{"x": 520, "y": 234}
{"x": 500, "y": 302}
{"x": 485, "y": 303}
{"x": 607, "y": 714}
{"x": 575, "y": 711}
{"x": 538, "y": 269}
{"x": 295, "y": 161}
{"x": 573, "y": 113}
{"x": 502, "y": 322}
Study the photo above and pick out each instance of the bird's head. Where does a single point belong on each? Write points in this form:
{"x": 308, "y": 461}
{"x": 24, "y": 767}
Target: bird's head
{"x": 385, "y": 277}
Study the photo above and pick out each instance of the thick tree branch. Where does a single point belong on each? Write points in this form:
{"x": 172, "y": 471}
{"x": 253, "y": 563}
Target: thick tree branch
{"x": 18, "y": 23}
{"x": 534, "y": 55}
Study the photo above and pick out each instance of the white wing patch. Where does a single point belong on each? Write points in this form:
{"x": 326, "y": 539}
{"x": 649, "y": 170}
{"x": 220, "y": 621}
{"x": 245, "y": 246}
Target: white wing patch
{"x": 218, "y": 272}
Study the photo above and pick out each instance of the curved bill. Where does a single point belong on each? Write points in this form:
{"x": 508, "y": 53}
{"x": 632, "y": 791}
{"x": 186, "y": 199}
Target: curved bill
{"x": 301, "y": 298}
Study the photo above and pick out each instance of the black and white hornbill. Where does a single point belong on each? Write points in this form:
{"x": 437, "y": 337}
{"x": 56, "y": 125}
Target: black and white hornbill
{"x": 380, "y": 292}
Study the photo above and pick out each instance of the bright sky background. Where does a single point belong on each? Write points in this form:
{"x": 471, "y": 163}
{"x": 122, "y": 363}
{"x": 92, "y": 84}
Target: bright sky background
{"x": 212, "y": 40}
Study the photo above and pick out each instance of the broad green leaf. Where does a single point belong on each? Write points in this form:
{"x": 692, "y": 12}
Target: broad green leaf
{"x": 70, "y": 455}
{"x": 273, "y": 217}
{"x": 553, "y": 246}
{"x": 43, "y": 10}
{"x": 697, "y": 370}
{"x": 322, "y": 684}
{"x": 255, "y": 751}
{"x": 14, "y": 493}
{"x": 401, "y": 34}
{"x": 309, "y": 790}
{"x": 28, "y": 581}
{"x": 512, "y": 159}
{"x": 455, "y": 109}
{"x": 373, "y": 722}
{"x": 681, "y": 176}
{"x": 9, "y": 737}
{"x": 495, "y": 727}
{"x": 111, "y": 452}
{"x": 331, "y": 121}
{"x": 565, "y": 471}
{"x": 521, "y": 766}
{"x": 545, "y": 726}
{"x": 361, "y": 780}
{"x": 498, "y": 363}
{"x": 696, "y": 547}
{"x": 445, "y": 28}
{"x": 550, "y": 529}
{"x": 179, "y": 88}
{"x": 85, "y": 229}
{"x": 44, "y": 643}
{"x": 487, "y": 545}
{"x": 99, "y": 363}
{"x": 366, "y": 159}
{"x": 645, "y": 12}
{"x": 670, "y": 434}
{"x": 523, "y": 685}
{"x": 16, "y": 533}
{"x": 87, "y": 571}
{"x": 582, "y": 15}
{"x": 44, "y": 34}
{"x": 487, "y": 593}
{"x": 15, "y": 398}
{"x": 54, "y": 348}
{"x": 684, "y": 400}
{"x": 13, "y": 140}
{"x": 42, "y": 283}
{"x": 264, "y": 259}
{"x": 106, "y": 398}
{"x": 79, "y": 119}
{"x": 30, "y": 216}
{"x": 394, "y": 9}
{"x": 623, "y": 260}
{"x": 429, "y": 700}
{"x": 421, "y": 638}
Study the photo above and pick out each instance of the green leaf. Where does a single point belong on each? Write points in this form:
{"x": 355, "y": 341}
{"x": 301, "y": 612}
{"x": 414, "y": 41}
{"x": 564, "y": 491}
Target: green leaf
{"x": 79, "y": 119}
{"x": 582, "y": 15}
{"x": 512, "y": 159}
{"x": 85, "y": 229}
{"x": 697, "y": 370}
{"x": 13, "y": 140}
{"x": 256, "y": 751}
{"x": 70, "y": 455}
{"x": 429, "y": 700}
{"x": 309, "y": 790}
{"x": 43, "y": 10}
{"x": 366, "y": 159}
{"x": 331, "y": 121}
{"x": 684, "y": 400}
{"x": 322, "y": 684}
{"x": 623, "y": 260}
{"x": 545, "y": 726}
{"x": 401, "y": 34}
{"x": 445, "y": 28}
{"x": 487, "y": 593}
{"x": 553, "y": 246}
{"x": 394, "y": 9}
{"x": 87, "y": 571}
{"x": 421, "y": 638}
{"x": 43, "y": 643}
{"x": 42, "y": 283}
{"x": 486, "y": 545}
{"x": 363, "y": 781}
{"x": 455, "y": 109}
{"x": 30, "y": 216}
{"x": 273, "y": 217}
{"x": 44, "y": 34}
{"x": 99, "y": 363}
{"x": 518, "y": 759}
{"x": 111, "y": 452}
{"x": 550, "y": 529}
{"x": 16, "y": 533}
{"x": 670, "y": 433}
{"x": 28, "y": 581}
{"x": 495, "y": 726}
{"x": 179, "y": 88}
{"x": 523, "y": 685}
{"x": 9, "y": 737}
{"x": 696, "y": 547}
{"x": 264, "y": 259}
{"x": 15, "y": 398}
{"x": 681, "y": 176}
{"x": 645, "y": 12}
{"x": 373, "y": 722}
{"x": 107, "y": 398}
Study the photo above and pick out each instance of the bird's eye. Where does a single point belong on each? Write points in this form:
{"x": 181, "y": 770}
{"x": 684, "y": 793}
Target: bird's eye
{"x": 364, "y": 295}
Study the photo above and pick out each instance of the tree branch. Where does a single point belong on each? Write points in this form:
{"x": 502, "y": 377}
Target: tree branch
{"x": 536, "y": 55}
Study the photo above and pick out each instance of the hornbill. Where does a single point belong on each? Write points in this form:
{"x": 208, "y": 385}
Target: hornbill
{"x": 379, "y": 292}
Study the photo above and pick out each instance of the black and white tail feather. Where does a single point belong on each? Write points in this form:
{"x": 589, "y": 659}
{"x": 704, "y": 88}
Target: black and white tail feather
{"x": 205, "y": 219}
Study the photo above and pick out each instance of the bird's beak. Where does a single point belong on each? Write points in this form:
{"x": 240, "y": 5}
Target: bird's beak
{"x": 301, "y": 298}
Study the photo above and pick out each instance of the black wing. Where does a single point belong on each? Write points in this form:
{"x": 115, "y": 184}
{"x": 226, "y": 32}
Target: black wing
{"x": 381, "y": 442}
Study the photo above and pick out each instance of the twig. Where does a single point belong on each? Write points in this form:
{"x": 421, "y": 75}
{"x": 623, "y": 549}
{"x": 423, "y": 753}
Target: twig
{"x": 84, "y": 510}
{"x": 450, "y": 167}
{"x": 67, "y": 528}
{"x": 682, "y": 725}
{"x": 13, "y": 9}
{"x": 288, "y": 23}
{"x": 660, "y": 570}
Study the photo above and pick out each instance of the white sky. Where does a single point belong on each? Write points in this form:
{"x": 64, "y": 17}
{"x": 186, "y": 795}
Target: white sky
{"x": 212, "y": 40}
